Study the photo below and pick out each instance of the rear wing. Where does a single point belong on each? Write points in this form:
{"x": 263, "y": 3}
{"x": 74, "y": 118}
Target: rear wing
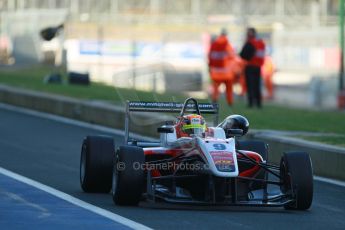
{"x": 167, "y": 107}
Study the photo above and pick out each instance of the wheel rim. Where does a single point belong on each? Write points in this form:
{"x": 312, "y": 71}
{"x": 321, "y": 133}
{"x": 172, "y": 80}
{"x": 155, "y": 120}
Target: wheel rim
{"x": 83, "y": 164}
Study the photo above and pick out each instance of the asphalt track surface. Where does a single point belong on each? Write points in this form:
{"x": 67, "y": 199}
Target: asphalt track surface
{"x": 24, "y": 206}
{"x": 48, "y": 151}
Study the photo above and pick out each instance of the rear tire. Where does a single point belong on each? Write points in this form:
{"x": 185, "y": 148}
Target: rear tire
{"x": 96, "y": 163}
{"x": 259, "y": 147}
{"x": 297, "y": 177}
{"x": 128, "y": 176}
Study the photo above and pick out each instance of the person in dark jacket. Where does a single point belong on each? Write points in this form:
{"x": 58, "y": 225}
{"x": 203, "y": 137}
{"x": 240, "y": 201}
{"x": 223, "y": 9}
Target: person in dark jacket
{"x": 253, "y": 52}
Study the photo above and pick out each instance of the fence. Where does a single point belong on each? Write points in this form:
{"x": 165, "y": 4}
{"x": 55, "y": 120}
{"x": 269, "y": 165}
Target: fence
{"x": 245, "y": 10}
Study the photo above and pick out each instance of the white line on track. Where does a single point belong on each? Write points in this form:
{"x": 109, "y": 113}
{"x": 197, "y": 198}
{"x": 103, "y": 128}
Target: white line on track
{"x": 117, "y": 218}
{"x": 330, "y": 181}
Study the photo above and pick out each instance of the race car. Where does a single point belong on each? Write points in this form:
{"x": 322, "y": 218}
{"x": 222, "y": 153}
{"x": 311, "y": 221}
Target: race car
{"x": 193, "y": 163}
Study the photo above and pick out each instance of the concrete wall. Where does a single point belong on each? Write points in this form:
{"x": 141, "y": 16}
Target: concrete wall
{"x": 328, "y": 161}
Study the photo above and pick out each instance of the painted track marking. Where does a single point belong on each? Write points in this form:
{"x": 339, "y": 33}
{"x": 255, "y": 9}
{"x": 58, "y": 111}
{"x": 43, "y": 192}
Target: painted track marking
{"x": 102, "y": 212}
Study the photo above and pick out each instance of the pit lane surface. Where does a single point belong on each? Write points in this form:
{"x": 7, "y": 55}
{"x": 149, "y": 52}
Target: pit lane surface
{"x": 48, "y": 151}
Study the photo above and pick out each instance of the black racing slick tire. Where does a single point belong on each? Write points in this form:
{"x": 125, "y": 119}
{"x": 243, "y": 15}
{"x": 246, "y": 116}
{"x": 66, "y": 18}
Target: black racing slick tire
{"x": 96, "y": 164}
{"x": 128, "y": 176}
{"x": 296, "y": 173}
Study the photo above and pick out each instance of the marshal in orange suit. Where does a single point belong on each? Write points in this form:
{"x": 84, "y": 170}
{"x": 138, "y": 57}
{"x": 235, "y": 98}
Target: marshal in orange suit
{"x": 267, "y": 72}
{"x": 223, "y": 66}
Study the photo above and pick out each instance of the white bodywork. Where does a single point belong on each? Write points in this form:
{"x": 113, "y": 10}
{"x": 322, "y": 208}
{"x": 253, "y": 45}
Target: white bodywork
{"x": 218, "y": 152}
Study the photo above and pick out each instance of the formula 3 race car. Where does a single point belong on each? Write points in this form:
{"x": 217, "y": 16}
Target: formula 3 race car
{"x": 195, "y": 164}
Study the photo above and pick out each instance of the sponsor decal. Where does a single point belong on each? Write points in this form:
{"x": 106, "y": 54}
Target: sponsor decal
{"x": 195, "y": 121}
{"x": 223, "y": 160}
{"x": 169, "y": 105}
{"x": 221, "y": 153}
{"x": 219, "y": 146}
{"x": 225, "y": 167}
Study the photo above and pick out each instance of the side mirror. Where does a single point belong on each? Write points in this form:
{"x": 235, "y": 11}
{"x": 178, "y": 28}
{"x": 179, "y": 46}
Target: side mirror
{"x": 234, "y": 133}
{"x": 165, "y": 129}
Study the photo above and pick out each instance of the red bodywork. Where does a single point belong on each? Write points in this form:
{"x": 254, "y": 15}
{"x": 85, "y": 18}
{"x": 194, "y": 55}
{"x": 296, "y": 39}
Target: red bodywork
{"x": 251, "y": 172}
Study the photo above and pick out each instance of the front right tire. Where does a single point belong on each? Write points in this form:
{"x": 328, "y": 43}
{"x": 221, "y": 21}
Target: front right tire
{"x": 296, "y": 173}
